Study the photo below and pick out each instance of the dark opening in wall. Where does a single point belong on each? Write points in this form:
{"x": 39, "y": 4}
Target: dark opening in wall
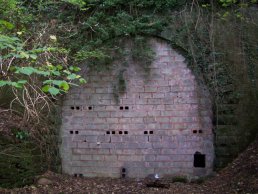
{"x": 90, "y": 108}
{"x": 194, "y": 131}
{"x": 120, "y": 132}
{"x": 126, "y": 108}
{"x": 151, "y": 132}
{"x": 71, "y": 132}
{"x": 145, "y": 132}
{"x": 72, "y": 107}
{"x": 200, "y": 131}
{"x": 121, "y": 108}
{"x": 108, "y": 132}
{"x": 113, "y": 132}
{"x": 76, "y": 132}
{"x": 77, "y": 108}
{"x": 125, "y": 132}
{"x": 123, "y": 172}
{"x": 199, "y": 160}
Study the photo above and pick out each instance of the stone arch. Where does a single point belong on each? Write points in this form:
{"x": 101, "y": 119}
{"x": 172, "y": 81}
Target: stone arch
{"x": 157, "y": 125}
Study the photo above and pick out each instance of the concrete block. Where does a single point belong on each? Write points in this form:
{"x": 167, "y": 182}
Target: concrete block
{"x": 92, "y": 138}
{"x": 130, "y": 158}
{"x": 163, "y": 119}
{"x": 112, "y": 120}
{"x": 116, "y": 138}
{"x": 154, "y": 138}
{"x": 111, "y": 158}
{"x": 164, "y": 145}
{"x": 98, "y": 157}
{"x": 141, "y": 138}
{"x": 150, "y": 158}
{"x": 103, "y": 114}
{"x": 136, "y": 120}
{"x": 154, "y": 113}
{"x": 86, "y": 157}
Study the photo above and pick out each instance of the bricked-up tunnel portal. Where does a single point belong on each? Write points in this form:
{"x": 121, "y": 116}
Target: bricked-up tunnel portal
{"x": 157, "y": 126}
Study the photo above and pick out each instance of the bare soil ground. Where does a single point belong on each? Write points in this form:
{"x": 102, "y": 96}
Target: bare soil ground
{"x": 241, "y": 176}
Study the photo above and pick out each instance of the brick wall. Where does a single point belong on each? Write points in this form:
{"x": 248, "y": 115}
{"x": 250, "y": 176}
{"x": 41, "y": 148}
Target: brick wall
{"x": 159, "y": 123}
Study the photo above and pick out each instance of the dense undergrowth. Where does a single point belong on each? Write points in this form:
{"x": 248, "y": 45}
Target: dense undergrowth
{"x": 42, "y": 43}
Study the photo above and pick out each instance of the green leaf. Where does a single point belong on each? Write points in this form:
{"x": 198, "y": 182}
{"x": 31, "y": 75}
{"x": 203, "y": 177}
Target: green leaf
{"x": 22, "y": 81}
{"x": 8, "y": 25}
{"x": 45, "y": 88}
{"x": 33, "y": 56}
{"x": 24, "y": 55}
{"x": 59, "y": 67}
{"x": 57, "y": 82}
{"x": 65, "y": 86}
{"x": 53, "y": 91}
{"x": 72, "y": 76}
{"x": 56, "y": 73}
{"x": 61, "y": 84}
{"x": 25, "y": 70}
{"x": 76, "y": 69}
{"x": 50, "y": 66}
{"x": 67, "y": 72}
{"x": 82, "y": 81}
{"x": 51, "y": 49}
{"x": 79, "y": 3}
{"x": 47, "y": 81}
{"x": 4, "y": 83}
{"x": 44, "y": 73}
{"x": 16, "y": 84}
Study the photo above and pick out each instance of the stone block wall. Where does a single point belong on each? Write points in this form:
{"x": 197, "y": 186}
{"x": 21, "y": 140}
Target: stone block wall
{"x": 160, "y": 124}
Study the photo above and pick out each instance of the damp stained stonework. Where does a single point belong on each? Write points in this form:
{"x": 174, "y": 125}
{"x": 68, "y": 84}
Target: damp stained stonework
{"x": 161, "y": 125}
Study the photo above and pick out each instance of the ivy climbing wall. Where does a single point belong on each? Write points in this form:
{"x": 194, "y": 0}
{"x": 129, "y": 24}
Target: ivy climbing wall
{"x": 159, "y": 122}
